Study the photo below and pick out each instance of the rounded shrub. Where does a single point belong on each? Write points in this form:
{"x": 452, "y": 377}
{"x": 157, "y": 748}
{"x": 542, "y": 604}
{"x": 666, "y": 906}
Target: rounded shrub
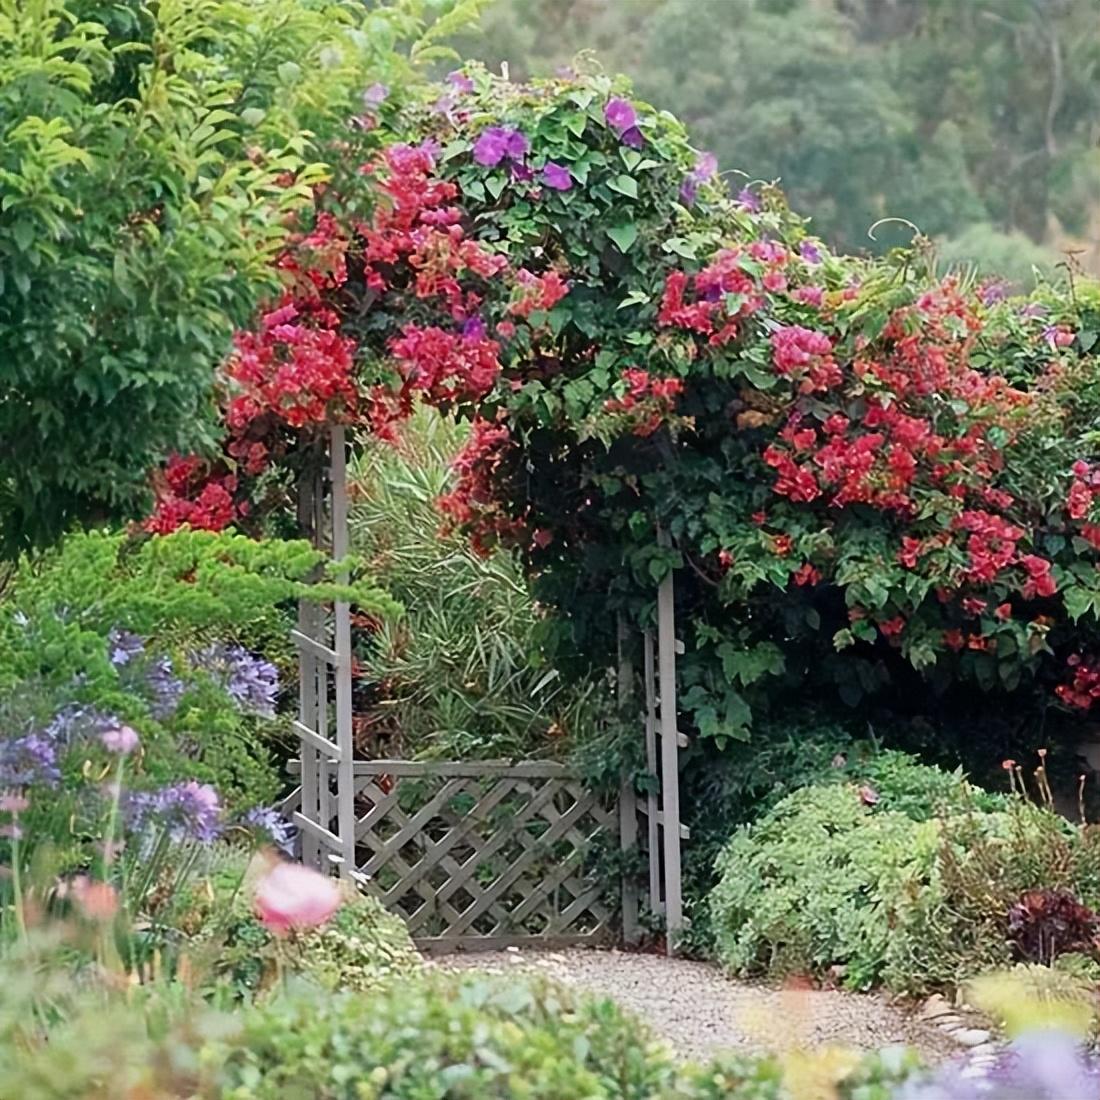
{"x": 445, "y": 1037}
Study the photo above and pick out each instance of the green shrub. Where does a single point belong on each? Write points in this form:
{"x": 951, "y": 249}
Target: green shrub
{"x": 446, "y": 1037}
{"x": 831, "y": 877}
{"x": 809, "y": 885}
{"x": 360, "y": 948}
{"x": 464, "y": 673}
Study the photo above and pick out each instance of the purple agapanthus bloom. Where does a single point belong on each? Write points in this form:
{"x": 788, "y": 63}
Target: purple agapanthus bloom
{"x": 267, "y": 821}
{"x": 29, "y": 760}
{"x": 250, "y": 681}
{"x": 123, "y": 646}
{"x": 809, "y": 251}
{"x": 557, "y": 177}
{"x": 165, "y": 688}
{"x": 460, "y": 82}
{"x": 1044, "y": 1065}
{"x": 77, "y": 722}
{"x": 188, "y": 811}
{"x": 749, "y": 200}
{"x": 620, "y": 114}
{"x": 375, "y": 95}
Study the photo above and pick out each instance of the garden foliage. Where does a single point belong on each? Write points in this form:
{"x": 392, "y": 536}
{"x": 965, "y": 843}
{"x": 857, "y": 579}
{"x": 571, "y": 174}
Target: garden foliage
{"x": 882, "y": 883}
{"x": 873, "y": 482}
{"x": 149, "y": 158}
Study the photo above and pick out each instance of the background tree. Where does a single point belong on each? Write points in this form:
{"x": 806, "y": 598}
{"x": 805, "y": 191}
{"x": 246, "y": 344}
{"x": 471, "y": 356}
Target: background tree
{"x": 954, "y": 114}
{"x": 149, "y": 159}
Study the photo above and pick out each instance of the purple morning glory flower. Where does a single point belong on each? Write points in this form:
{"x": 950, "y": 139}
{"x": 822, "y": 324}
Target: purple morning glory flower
{"x": 557, "y": 177}
{"x": 375, "y": 95}
{"x": 810, "y": 252}
{"x": 473, "y": 329}
{"x": 250, "y": 681}
{"x": 517, "y": 146}
{"x": 688, "y": 191}
{"x": 490, "y": 148}
{"x": 633, "y": 137}
{"x": 189, "y": 811}
{"x": 460, "y": 82}
{"x": 748, "y": 200}
{"x": 521, "y": 173}
{"x": 620, "y": 114}
{"x": 498, "y": 142}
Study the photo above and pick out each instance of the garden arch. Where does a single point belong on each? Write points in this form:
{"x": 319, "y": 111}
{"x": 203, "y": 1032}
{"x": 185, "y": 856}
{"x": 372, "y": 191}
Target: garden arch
{"x": 477, "y": 854}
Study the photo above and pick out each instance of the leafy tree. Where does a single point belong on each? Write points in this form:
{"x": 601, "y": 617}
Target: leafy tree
{"x": 150, "y": 158}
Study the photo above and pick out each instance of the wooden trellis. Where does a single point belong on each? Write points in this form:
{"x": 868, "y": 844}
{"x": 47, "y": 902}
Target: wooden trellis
{"x": 476, "y": 853}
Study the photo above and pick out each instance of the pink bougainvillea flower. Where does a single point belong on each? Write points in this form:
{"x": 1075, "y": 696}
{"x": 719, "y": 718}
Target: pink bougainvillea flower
{"x": 620, "y": 114}
{"x": 121, "y": 740}
{"x": 293, "y": 896}
{"x": 557, "y": 177}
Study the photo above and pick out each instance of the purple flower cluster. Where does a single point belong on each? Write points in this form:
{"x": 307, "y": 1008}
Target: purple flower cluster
{"x": 250, "y": 681}
{"x": 34, "y": 757}
{"x": 268, "y": 822}
{"x": 499, "y": 143}
{"x": 706, "y": 165}
{"x": 1043, "y": 1065}
{"x": 152, "y": 676}
{"x": 29, "y": 760}
{"x": 188, "y": 811}
{"x": 623, "y": 119}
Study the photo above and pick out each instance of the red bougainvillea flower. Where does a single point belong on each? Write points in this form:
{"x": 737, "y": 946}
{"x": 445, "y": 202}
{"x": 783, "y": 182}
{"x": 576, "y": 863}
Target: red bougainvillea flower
{"x": 291, "y": 896}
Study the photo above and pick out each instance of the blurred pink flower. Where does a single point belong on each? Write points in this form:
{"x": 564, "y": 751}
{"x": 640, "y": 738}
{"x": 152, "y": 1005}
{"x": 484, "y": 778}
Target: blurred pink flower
{"x": 122, "y": 740}
{"x": 293, "y": 896}
{"x": 11, "y": 802}
{"x": 868, "y": 795}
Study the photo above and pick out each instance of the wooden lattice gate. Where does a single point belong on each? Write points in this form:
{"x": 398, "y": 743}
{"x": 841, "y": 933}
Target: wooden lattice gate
{"x": 478, "y": 854}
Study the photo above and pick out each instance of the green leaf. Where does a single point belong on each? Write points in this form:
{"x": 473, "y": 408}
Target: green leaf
{"x": 624, "y": 185}
{"x": 624, "y": 235}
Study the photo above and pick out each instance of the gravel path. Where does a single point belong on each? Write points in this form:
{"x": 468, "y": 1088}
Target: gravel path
{"x": 699, "y": 1011}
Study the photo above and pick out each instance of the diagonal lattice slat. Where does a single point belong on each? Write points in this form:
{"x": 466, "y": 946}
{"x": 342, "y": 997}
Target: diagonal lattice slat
{"x": 472, "y": 856}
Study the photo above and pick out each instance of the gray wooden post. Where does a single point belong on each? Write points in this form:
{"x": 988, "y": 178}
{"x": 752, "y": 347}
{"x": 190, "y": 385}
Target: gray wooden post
{"x": 345, "y": 779}
{"x": 328, "y": 833}
{"x": 670, "y": 761}
{"x": 628, "y": 805}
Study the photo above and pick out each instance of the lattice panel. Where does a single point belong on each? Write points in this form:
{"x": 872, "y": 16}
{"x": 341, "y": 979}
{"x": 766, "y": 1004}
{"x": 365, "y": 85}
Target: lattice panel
{"x": 482, "y": 854}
